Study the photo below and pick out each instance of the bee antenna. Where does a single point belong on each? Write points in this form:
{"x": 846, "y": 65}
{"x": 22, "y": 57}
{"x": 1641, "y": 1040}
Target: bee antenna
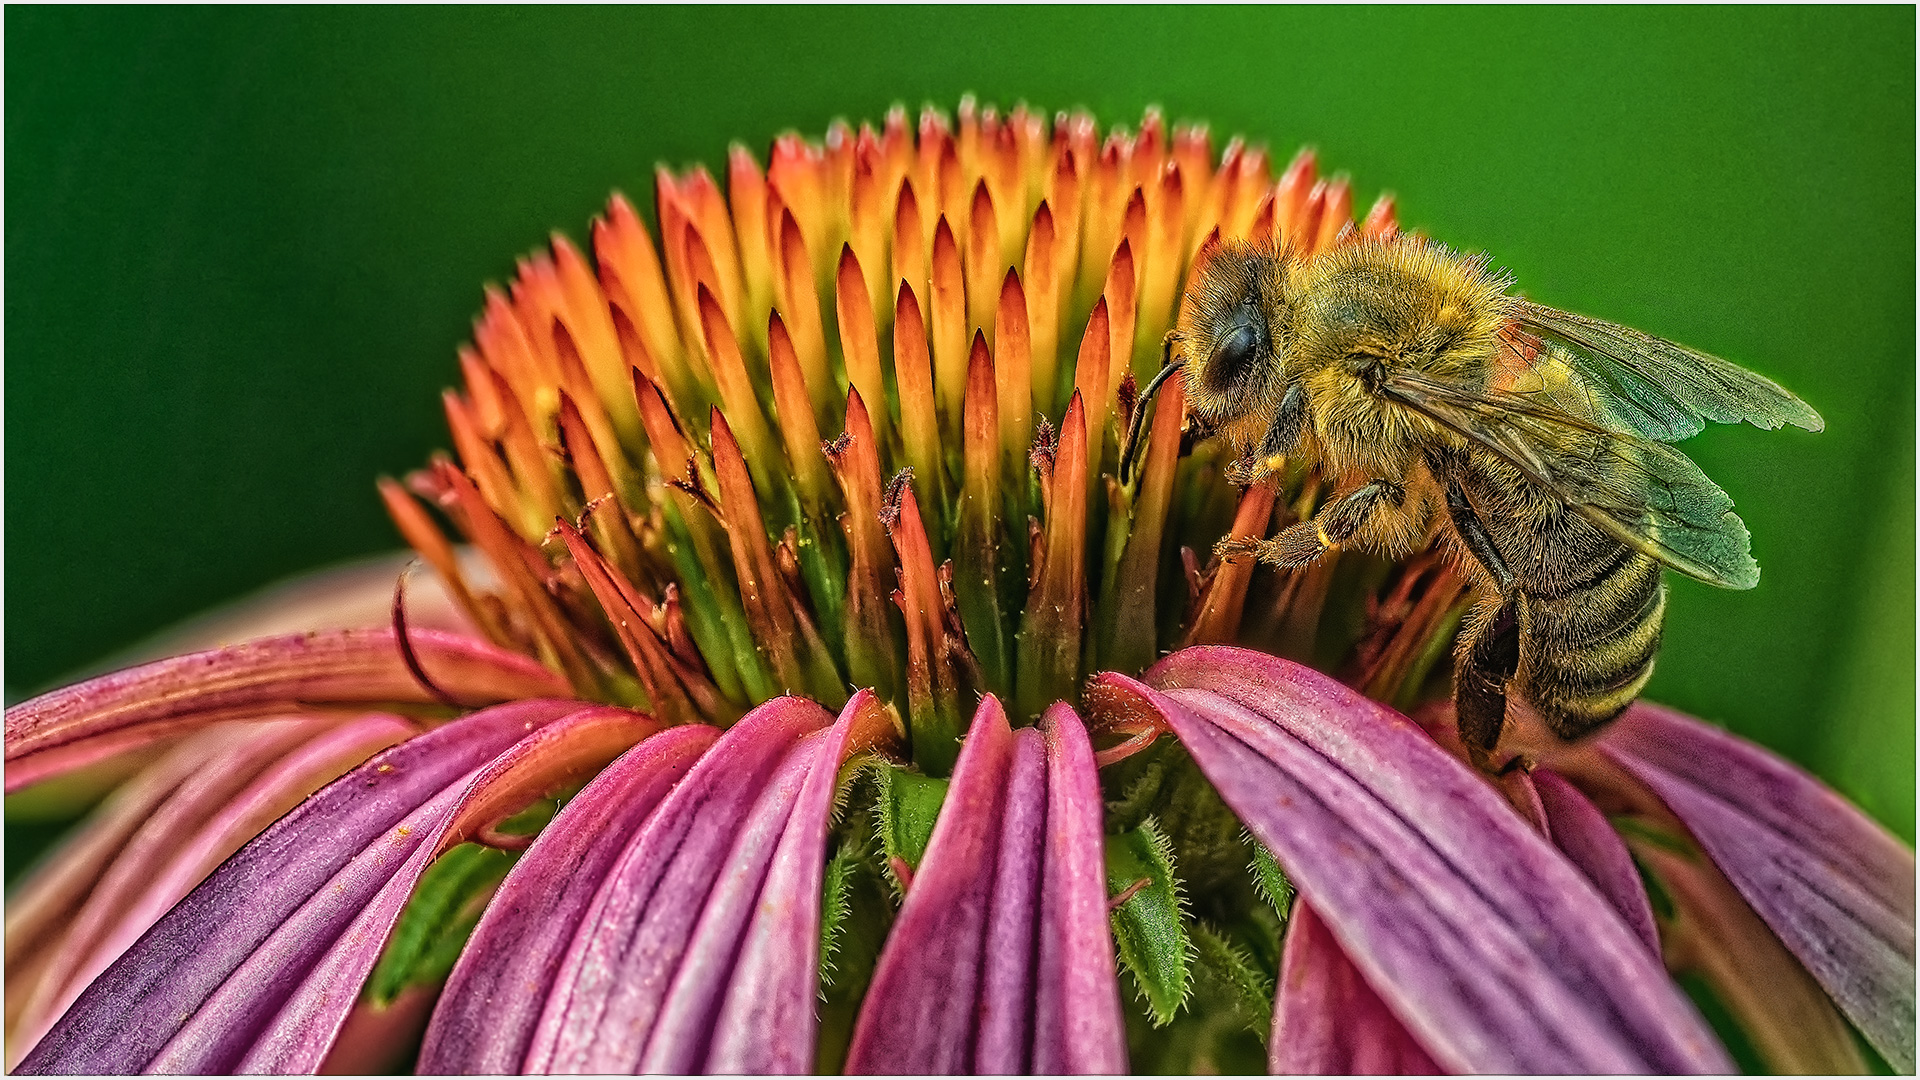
{"x": 1137, "y": 428}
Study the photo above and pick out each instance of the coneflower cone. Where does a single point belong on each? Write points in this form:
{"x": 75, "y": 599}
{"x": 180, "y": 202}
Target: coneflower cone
{"x": 856, "y": 422}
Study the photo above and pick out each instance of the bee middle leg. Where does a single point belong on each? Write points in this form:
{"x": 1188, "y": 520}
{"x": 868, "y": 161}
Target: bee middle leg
{"x": 1473, "y": 536}
{"x": 1335, "y": 524}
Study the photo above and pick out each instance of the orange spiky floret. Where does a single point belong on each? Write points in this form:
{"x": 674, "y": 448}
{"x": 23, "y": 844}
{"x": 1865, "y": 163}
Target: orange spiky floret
{"x": 1050, "y": 631}
{"x": 911, "y": 236}
{"x": 983, "y": 262}
{"x": 978, "y": 566}
{"x": 1165, "y": 256}
{"x": 1219, "y": 610}
{"x": 860, "y": 334}
{"x": 871, "y": 642}
{"x": 782, "y": 627}
{"x": 919, "y": 427}
{"x": 933, "y": 684}
{"x": 747, "y": 199}
{"x": 800, "y": 306}
{"x": 1012, "y": 357}
{"x": 1127, "y": 623}
{"x": 1041, "y": 275}
{"x": 947, "y": 322}
{"x": 969, "y": 302}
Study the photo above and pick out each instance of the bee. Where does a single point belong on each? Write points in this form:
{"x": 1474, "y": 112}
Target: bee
{"x": 1532, "y": 441}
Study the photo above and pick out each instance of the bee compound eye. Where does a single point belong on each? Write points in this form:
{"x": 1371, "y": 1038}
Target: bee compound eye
{"x": 1234, "y": 356}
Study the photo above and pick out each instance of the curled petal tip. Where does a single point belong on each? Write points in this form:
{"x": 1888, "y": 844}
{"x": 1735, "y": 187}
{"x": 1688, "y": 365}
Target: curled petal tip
{"x": 90, "y": 720}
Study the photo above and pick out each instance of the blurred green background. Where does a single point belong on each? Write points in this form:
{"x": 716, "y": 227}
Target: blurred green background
{"x": 241, "y": 246}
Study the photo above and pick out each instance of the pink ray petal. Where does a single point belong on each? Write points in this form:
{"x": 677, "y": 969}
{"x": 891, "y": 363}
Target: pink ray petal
{"x": 136, "y": 1006}
{"x": 1833, "y": 884}
{"x": 1076, "y": 1016}
{"x": 284, "y": 785}
{"x": 1582, "y": 833}
{"x": 1789, "y": 1019}
{"x": 683, "y": 1015}
{"x": 96, "y": 937}
{"x": 1010, "y": 900}
{"x": 918, "y": 1016}
{"x": 1326, "y": 1020}
{"x": 607, "y": 997}
{"x": 193, "y": 836}
{"x": 768, "y": 1021}
{"x": 1494, "y": 950}
{"x": 95, "y": 719}
{"x": 217, "y": 1034}
{"x": 39, "y": 908}
{"x": 494, "y": 995}
{"x": 1004, "y": 1042}
{"x": 300, "y": 1032}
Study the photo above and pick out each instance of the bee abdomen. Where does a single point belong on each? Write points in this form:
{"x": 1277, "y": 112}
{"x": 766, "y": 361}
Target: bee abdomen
{"x": 1589, "y": 651}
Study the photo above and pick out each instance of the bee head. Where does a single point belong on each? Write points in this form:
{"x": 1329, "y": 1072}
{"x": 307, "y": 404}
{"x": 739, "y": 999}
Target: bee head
{"x": 1233, "y": 330}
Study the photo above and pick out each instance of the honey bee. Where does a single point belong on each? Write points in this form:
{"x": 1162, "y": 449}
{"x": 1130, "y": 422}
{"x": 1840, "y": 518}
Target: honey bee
{"x": 1531, "y": 440}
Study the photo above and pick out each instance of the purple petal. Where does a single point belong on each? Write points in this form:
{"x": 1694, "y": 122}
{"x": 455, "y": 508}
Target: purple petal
{"x": 218, "y": 1034}
{"x": 307, "y": 768}
{"x": 95, "y": 719}
{"x": 1326, "y": 1020}
{"x": 1004, "y": 1043}
{"x": 1582, "y": 833}
{"x": 39, "y": 909}
{"x": 1076, "y": 1016}
{"x": 1790, "y": 1020}
{"x": 1836, "y": 887}
{"x": 684, "y": 1017}
{"x": 918, "y": 1015}
{"x": 136, "y": 1006}
{"x": 299, "y": 1034}
{"x": 197, "y": 829}
{"x": 769, "y": 1022}
{"x": 611, "y": 985}
{"x": 1494, "y": 950}
{"x": 493, "y": 998}
{"x": 1001, "y": 959}
{"x": 105, "y": 925}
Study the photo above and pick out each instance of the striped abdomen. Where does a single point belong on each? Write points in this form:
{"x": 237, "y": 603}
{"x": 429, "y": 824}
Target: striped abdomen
{"x": 1587, "y": 650}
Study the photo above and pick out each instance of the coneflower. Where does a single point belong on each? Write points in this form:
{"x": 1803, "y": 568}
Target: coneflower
{"x": 817, "y": 712}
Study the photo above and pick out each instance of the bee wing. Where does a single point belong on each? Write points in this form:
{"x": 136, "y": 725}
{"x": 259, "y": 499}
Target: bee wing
{"x": 1657, "y": 388}
{"x": 1643, "y": 493}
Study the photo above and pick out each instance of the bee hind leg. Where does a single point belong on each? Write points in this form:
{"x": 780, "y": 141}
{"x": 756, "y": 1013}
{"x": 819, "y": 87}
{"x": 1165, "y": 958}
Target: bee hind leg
{"x": 1488, "y": 656}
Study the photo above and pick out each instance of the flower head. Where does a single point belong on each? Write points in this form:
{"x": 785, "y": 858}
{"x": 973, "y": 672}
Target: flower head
{"x": 814, "y": 706}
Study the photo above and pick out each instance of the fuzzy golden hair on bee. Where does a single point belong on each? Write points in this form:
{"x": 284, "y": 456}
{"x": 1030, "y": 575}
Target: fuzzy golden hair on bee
{"x": 1406, "y": 302}
{"x": 1375, "y": 308}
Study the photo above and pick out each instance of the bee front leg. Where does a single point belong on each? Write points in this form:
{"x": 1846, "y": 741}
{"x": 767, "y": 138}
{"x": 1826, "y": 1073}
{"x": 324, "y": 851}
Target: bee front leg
{"x": 1271, "y": 455}
{"x": 1243, "y": 471}
{"x": 1333, "y": 526}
